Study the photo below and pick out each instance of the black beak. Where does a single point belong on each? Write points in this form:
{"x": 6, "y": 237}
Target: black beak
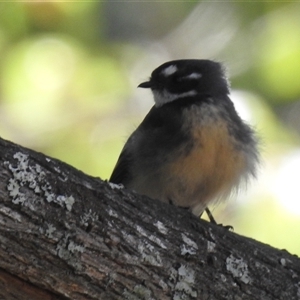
{"x": 145, "y": 85}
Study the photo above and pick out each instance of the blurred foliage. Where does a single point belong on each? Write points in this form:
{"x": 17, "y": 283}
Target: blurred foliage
{"x": 69, "y": 71}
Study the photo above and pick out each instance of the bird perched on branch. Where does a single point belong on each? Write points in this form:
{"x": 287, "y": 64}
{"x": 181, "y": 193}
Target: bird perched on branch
{"x": 192, "y": 148}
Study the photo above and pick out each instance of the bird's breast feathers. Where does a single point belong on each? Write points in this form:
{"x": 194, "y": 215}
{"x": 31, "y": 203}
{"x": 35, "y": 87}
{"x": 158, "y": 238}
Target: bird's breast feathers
{"x": 205, "y": 168}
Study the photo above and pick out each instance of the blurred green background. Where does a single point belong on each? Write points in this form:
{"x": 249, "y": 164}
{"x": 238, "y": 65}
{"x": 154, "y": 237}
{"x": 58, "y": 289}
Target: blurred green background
{"x": 69, "y": 71}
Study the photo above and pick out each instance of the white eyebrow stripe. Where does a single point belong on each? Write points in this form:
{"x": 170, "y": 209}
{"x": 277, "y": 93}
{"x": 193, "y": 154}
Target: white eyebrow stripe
{"x": 194, "y": 75}
{"x": 169, "y": 70}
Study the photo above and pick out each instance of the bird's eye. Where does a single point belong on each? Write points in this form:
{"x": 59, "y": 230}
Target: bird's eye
{"x": 177, "y": 79}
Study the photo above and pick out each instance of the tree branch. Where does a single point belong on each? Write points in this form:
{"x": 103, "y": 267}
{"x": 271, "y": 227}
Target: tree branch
{"x": 66, "y": 235}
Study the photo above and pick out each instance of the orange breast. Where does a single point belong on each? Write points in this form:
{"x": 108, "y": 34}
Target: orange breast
{"x": 209, "y": 170}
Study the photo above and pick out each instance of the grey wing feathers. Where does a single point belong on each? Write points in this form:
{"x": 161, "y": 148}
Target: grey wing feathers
{"x": 121, "y": 172}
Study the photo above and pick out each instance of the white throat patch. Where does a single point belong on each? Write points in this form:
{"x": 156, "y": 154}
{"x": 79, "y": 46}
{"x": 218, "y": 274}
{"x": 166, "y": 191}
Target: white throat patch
{"x": 164, "y": 97}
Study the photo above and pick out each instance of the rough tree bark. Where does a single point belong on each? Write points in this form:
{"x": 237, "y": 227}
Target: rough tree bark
{"x": 66, "y": 235}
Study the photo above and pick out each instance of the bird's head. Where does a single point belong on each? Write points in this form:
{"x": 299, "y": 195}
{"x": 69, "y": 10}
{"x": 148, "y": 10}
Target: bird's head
{"x": 186, "y": 78}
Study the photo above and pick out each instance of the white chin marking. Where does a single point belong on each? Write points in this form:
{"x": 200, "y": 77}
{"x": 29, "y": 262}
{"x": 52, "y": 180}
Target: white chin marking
{"x": 169, "y": 70}
{"x": 164, "y": 97}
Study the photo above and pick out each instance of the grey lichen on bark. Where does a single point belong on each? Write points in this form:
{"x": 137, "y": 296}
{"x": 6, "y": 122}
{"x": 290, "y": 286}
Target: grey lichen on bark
{"x": 67, "y": 235}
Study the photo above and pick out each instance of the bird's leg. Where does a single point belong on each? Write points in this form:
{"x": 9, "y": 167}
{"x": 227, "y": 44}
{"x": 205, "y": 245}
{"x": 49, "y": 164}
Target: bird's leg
{"x": 210, "y": 216}
{"x": 212, "y": 220}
